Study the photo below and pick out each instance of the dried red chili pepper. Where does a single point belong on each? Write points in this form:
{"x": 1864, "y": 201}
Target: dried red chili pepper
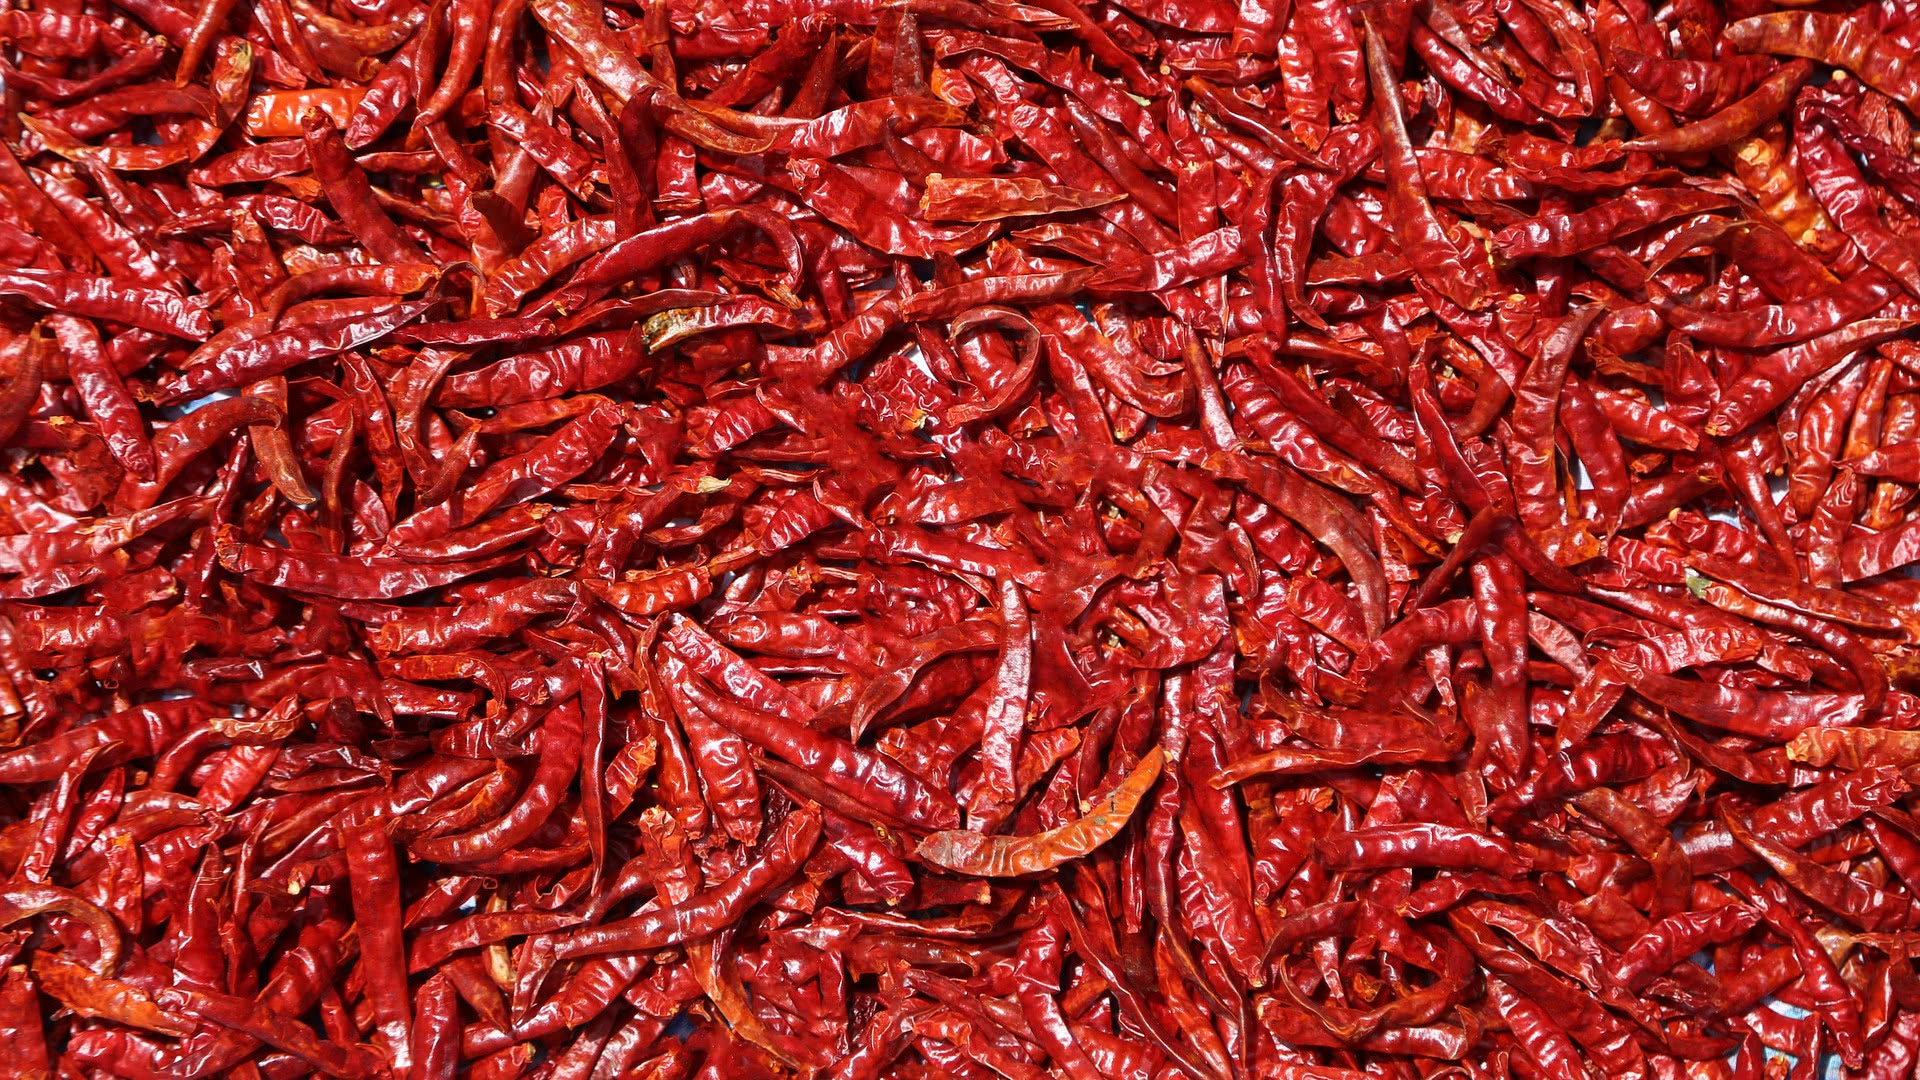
{"x": 1158, "y": 538}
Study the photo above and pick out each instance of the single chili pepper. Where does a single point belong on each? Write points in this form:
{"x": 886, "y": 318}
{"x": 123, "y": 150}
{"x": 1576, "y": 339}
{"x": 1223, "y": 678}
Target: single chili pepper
{"x": 703, "y": 913}
{"x": 1799, "y": 818}
{"x": 278, "y": 1030}
{"x": 1561, "y": 235}
{"x": 720, "y": 757}
{"x": 93, "y": 995}
{"x": 648, "y": 250}
{"x": 1736, "y": 121}
{"x": 1536, "y": 399}
{"x": 1542, "y": 1040}
{"x": 26, "y": 1051}
{"x": 469, "y": 23}
{"x": 1833, "y": 999}
{"x": 101, "y": 298}
{"x": 982, "y": 856}
{"x": 1426, "y": 245}
{"x": 559, "y": 758}
{"x": 1831, "y": 39}
{"x": 1672, "y": 873}
{"x": 862, "y": 776}
{"x": 1679, "y": 936}
{"x": 1847, "y": 647}
{"x": 1844, "y": 193}
{"x": 274, "y": 353}
{"x": 375, "y": 885}
{"x": 484, "y": 928}
{"x": 1777, "y": 375}
{"x": 339, "y": 576}
{"x": 1689, "y": 86}
{"x": 1038, "y": 980}
{"x": 350, "y": 195}
{"x": 1420, "y": 845}
{"x": 554, "y": 460}
{"x": 1870, "y": 908}
{"x": 1862, "y": 295}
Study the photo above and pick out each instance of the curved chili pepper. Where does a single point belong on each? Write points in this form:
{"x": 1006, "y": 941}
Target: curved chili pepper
{"x": 1799, "y": 818}
{"x": 1835, "y": 40}
{"x": 703, "y": 913}
{"x": 1571, "y": 234}
{"x": 635, "y": 255}
{"x": 26, "y": 901}
{"x": 559, "y": 759}
{"x": 1833, "y": 999}
{"x": 1844, "y": 193}
{"x": 241, "y": 363}
{"x": 1736, "y": 121}
{"x": 272, "y": 1028}
{"x": 985, "y": 856}
{"x": 1678, "y": 936}
{"x": 861, "y": 775}
{"x": 1689, "y": 86}
{"x": 1774, "y": 377}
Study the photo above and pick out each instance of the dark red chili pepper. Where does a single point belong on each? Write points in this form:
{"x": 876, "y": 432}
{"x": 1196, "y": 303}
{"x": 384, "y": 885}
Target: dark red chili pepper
{"x": 1736, "y": 121}
{"x": 1148, "y": 539}
{"x": 1833, "y": 39}
{"x": 706, "y": 912}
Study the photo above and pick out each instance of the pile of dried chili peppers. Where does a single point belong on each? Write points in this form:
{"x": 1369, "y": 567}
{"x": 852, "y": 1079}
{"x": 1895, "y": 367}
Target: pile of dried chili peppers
{"x": 1145, "y": 539}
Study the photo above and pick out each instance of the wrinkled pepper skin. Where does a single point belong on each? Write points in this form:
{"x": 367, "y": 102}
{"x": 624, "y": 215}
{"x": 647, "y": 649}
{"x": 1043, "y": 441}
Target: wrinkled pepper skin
{"x": 1156, "y": 539}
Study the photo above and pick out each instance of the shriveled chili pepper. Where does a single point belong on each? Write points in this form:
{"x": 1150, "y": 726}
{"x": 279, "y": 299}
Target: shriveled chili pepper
{"x": 703, "y": 913}
{"x": 1168, "y": 538}
{"x": 1833, "y": 39}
